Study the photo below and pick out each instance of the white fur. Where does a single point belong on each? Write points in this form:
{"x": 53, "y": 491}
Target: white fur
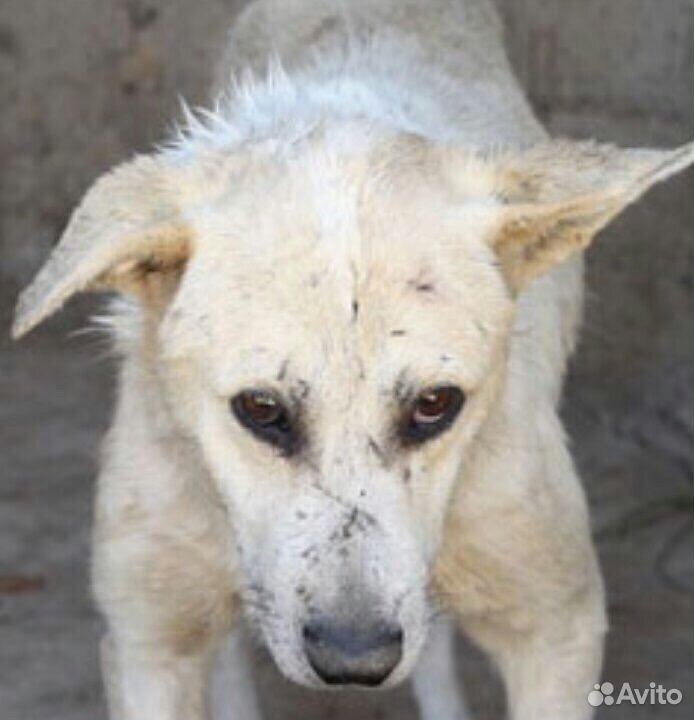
{"x": 233, "y": 691}
{"x": 435, "y": 681}
{"x": 370, "y": 209}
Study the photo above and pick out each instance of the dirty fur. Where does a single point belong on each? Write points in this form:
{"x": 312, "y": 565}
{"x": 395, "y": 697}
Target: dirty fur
{"x": 369, "y": 210}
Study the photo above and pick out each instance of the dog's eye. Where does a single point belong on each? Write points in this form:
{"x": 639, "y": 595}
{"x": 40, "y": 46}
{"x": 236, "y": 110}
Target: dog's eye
{"x": 260, "y": 408}
{"x": 266, "y": 416}
{"x": 432, "y": 412}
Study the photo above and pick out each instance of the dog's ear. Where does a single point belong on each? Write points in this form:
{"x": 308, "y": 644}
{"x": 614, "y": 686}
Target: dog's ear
{"x": 557, "y": 196}
{"x": 127, "y": 231}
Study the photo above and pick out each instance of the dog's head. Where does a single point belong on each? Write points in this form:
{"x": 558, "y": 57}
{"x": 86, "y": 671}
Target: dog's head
{"x": 329, "y": 320}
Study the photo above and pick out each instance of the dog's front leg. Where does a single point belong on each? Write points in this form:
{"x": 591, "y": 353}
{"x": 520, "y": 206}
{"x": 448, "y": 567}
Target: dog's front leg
{"x": 146, "y": 685}
{"x": 435, "y": 680}
{"x": 233, "y": 689}
{"x": 111, "y": 678}
{"x": 549, "y": 671}
{"x": 518, "y": 568}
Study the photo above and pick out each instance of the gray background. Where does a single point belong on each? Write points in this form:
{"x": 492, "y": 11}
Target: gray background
{"x": 83, "y": 84}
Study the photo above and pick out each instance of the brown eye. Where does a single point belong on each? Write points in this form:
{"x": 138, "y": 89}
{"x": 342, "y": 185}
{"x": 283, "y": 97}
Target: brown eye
{"x": 432, "y": 412}
{"x": 432, "y": 404}
{"x": 265, "y": 415}
{"x": 260, "y": 407}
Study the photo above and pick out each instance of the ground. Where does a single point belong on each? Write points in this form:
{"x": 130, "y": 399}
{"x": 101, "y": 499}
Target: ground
{"x": 629, "y": 402}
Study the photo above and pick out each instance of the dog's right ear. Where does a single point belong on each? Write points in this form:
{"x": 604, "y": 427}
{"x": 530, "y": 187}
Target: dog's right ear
{"x": 128, "y": 229}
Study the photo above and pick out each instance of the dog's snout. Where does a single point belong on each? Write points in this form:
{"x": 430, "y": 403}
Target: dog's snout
{"x": 353, "y": 653}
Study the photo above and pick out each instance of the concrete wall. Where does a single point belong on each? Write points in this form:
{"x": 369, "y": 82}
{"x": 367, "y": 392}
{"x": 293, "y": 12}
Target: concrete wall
{"x": 620, "y": 57}
{"x": 83, "y": 84}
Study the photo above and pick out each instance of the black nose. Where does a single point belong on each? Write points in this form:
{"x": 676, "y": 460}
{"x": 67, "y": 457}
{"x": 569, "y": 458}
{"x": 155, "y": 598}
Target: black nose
{"x": 353, "y": 653}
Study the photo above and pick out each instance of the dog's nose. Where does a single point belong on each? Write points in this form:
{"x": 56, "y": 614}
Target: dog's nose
{"x": 353, "y": 653}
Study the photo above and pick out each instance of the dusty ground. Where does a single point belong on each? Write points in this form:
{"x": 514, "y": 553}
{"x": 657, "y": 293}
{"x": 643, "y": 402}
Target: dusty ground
{"x": 95, "y": 85}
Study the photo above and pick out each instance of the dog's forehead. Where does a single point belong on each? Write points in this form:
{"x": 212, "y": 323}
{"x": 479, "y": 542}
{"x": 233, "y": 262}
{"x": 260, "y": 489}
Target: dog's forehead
{"x": 328, "y": 261}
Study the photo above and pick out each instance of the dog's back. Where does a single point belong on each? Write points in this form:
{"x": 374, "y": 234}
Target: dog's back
{"x": 439, "y": 63}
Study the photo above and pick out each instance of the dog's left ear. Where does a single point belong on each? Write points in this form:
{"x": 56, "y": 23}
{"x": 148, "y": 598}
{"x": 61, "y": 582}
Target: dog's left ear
{"x": 555, "y": 197}
{"x": 127, "y": 234}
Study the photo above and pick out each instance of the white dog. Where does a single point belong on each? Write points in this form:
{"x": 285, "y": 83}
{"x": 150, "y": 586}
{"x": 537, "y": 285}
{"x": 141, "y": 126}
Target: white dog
{"x": 353, "y": 288}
